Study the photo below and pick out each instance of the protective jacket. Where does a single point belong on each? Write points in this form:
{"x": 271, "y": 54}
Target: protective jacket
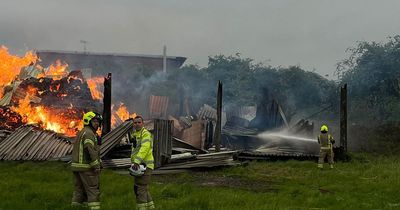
{"x": 86, "y": 151}
{"x": 142, "y": 153}
{"x": 325, "y": 140}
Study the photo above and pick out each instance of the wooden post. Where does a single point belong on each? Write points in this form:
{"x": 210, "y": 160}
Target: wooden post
{"x": 107, "y": 105}
{"x": 162, "y": 147}
{"x": 217, "y": 137}
{"x": 209, "y": 134}
{"x": 343, "y": 117}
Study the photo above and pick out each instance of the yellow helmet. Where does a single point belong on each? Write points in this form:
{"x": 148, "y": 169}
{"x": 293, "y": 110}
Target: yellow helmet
{"x": 324, "y": 128}
{"x": 88, "y": 116}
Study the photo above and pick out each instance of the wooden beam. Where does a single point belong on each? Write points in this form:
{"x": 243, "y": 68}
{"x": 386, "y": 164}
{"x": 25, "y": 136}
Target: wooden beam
{"x": 217, "y": 137}
{"x": 107, "y": 105}
{"x": 343, "y": 117}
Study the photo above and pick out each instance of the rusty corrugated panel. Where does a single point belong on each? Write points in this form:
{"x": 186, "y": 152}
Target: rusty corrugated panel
{"x": 195, "y": 135}
{"x": 158, "y": 106}
{"x": 32, "y": 143}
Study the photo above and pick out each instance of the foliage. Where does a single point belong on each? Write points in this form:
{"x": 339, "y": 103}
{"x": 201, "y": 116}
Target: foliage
{"x": 243, "y": 81}
{"x": 372, "y": 73}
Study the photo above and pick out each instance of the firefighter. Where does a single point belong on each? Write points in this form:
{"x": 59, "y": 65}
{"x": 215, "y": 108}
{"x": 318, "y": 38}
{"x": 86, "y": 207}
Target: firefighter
{"x": 325, "y": 141}
{"x": 86, "y": 163}
{"x": 142, "y": 154}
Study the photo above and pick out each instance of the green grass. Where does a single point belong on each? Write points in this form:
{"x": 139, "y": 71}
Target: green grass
{"x": 367, "y": 182}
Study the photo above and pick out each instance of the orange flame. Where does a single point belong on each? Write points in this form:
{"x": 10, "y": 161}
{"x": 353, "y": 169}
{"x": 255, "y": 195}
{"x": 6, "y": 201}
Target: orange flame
{"x": 95, "y": 84}
{"x": 65, "y": 120}
{"x": 121, "y": 114}
{"x": 10, "y": 65}
{"x": 57, "y": 71}
{"x": 47, "y": 118}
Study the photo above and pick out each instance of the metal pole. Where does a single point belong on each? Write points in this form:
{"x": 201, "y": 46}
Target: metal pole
{"x": 165, "y": 59}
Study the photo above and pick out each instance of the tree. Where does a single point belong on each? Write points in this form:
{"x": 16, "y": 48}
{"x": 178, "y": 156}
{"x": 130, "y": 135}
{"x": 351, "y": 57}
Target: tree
{"x": 372, "y": 73}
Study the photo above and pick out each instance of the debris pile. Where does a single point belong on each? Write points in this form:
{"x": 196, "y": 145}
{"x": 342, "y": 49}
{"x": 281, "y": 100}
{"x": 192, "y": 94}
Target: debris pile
{"x": 33, "y": 143}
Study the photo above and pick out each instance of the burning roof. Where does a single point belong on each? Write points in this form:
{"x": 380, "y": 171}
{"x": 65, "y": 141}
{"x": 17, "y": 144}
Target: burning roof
{"x": 53, "y": 98}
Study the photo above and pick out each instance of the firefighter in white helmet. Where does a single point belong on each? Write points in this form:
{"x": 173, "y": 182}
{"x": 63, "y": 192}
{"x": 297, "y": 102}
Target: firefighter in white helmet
{"x": 326, "y": 142}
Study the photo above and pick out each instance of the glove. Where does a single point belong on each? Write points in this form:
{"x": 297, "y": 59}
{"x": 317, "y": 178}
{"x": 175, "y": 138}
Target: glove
{"x": 99, "y": 140}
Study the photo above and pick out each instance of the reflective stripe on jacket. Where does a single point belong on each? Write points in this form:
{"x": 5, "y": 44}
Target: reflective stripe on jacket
{"x": 325, "y": 141}
{"x": 86, "y": 152}
{"x": 143, "y": 152}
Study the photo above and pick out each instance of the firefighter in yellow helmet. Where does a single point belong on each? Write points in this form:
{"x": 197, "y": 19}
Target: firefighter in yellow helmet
{"x": 326, "y": 142}
{"x": 142, "y": 163}
{"x": 86, "y": 163}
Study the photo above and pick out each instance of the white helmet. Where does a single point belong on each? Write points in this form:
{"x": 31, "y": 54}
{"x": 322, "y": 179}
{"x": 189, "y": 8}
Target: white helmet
{"x": 138, "y": 172}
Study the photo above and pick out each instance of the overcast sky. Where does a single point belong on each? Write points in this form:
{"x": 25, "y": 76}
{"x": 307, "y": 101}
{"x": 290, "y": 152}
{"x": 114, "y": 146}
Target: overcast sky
{"x": 311, "y": 33}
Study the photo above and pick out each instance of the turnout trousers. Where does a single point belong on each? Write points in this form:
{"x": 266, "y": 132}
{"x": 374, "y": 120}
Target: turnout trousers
{"x": 328, "y": 153}
{"x": 86, "y": 189}
{"x": 141, "y": 190}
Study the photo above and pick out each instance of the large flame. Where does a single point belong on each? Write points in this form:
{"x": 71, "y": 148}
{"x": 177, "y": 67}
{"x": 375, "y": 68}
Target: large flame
{"x": 10, "y": 66}
{"x": 121, "y": 114}
{"x": 57, "y": 71}
{"x": 95, "y": 84}
{"x": 47, "y": 118}
{"x": 66, "y": 120}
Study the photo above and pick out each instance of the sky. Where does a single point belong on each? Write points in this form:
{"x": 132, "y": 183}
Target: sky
{"x": 313, "y": 34}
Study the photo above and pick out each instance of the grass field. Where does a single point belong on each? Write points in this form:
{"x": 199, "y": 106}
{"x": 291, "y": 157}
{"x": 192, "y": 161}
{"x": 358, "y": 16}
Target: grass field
{"x": 367, "y": 182}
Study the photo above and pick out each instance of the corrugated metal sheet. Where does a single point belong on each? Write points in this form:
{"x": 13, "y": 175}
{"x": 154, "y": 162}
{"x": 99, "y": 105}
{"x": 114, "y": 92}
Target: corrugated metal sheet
{"x": 207, "y": 112}
{"x": 32, "y": 143}
{"x": 245, "y": 112}
{"x": 158, "y": 106}
{"x": 114, "y": 137}
{"x": 6, "y": 100}
{"x": 199, "y": 161}
{"x": 274, "y": 155}
{"x": 162, "y": 146}
{"x": 4, "y": 134}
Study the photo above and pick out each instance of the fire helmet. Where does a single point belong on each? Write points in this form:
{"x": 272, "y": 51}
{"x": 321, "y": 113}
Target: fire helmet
{"x": 138, "y": 172}
{"x": 324, "y": 128}
{"x": 87, "y": 117}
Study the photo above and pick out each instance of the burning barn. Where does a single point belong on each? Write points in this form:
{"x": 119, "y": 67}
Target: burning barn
{"x": 41, "y": 107}
{"x": 127, "y": 70}
{"x": 53, "y": 96}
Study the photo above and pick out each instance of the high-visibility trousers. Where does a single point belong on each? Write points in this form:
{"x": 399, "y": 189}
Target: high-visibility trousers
{"x": 141, "y": 190}
{"x": 86, "y": 189}
{"x": 328, "y": 153}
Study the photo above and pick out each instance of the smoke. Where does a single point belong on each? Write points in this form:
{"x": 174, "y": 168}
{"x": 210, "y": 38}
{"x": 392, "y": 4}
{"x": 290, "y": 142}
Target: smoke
{"x": 286, "y": 142}
{"x": 197, "y": 29}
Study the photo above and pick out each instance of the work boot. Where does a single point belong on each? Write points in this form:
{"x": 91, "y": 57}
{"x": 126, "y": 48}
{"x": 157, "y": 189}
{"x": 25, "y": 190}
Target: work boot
{"x": 331, "y": 166}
